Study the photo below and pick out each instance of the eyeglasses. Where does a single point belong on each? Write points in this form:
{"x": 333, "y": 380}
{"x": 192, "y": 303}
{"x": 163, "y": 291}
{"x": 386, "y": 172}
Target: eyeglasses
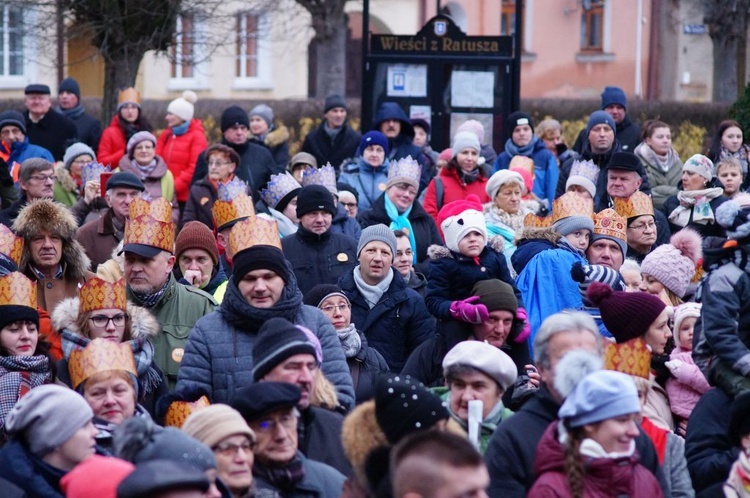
{"x": 349, "y": 205}
{"x": 405, "y": 187}
{"x": 219, "y": 163}
{"x": 337, "y": 307}
{"x": 231, "y": 449}
{"x": 288, "y": 421}
{"x": 44, "y": 178}
{"x": 643, "y": 226}
{"x": 103, "y": 321}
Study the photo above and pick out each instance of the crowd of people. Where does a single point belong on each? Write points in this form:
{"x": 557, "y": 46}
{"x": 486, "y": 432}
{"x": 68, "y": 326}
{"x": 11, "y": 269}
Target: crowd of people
{"x": 369, "y": 317}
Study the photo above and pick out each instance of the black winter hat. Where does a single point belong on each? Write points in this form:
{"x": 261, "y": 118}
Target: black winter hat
{"x": 314, "y": 198}
{"x": 70, "y": 85}
{"x": 334, "y": 101}
{"x": 259, "y": 258}
{"x": 626, "y": 161}
{"x": 36, "y": 88}
{"x": 320, "y": 292}
{"x": 14, "y": 118}
{"x": 262, "y": 398}
{"x": 234, "y": 115}
{"x": 277, "y": 340}
{"x": 345, "y": 186}
{"x": 519, "y": 118}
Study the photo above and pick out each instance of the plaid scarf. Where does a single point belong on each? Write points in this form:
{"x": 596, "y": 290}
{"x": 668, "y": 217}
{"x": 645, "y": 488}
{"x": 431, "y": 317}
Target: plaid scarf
{"x": 149, "y": 300}
{"x": 18, "y": 374}
{"x": 284, "y": 478}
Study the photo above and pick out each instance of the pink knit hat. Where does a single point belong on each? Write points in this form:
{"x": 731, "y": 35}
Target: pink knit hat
{"x": 673, "y": 264}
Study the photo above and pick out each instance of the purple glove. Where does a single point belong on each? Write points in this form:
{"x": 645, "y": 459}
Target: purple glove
{"x": 466, "y": 311}
{"x": 522, "y": 316}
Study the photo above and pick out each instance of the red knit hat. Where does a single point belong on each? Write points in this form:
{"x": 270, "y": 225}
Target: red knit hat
{"x": 458, "y": 218}
{"x": 626, "y": 315}
{"x": 196, "y": 235}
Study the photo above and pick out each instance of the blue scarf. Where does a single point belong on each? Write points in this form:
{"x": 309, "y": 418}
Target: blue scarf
{"x": 401, "y": 222}
{"x": 181, "y": 129}
{"x": 514, "y": 150}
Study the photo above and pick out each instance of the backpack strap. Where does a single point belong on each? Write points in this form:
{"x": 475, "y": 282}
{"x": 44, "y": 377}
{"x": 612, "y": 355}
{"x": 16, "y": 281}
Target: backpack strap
{"x": 439, "y": 192}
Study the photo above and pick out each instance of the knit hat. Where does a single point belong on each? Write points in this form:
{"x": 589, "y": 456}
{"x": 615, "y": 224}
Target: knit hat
{"x": 196, "y": 235}
{"x": 76, "y": 150}
{"x": 264, "y": 112}
{"x": 570, "y": 224}
{"x": 373, "y": 137}
{"x": 474, "y": 127}
{"x": 277, "y": 340}
{"x": 321, "y": 292}
{"x": 685, "y": 310}
{"x": 734, "y": 216}
{"x": 601, "y": 395}
{"x": 315, "y": 198}
{"x": 47, "y": 416}
{"x": 403, "y": 405}
{"x": 459, "y": 218}
{"x": 627, "y": 315}
{"x": 139, "y": 137}
{"x": 96, "y": 477}
{"x": 600, "y": 117}
{"x": 69, "y": 85}
{"x": 183, "y": 107}
{"x": 445, "y": 154}
{"x": 700, "y": 164}
{"x": 625, "y": 161}
{"x": 500, "y": 178}
{"x": 234, "y": 115}
{"x": 259, "y": 257}
{"x": 125, "y": 179}
{"x": 585, "y": 275}
{"x": 464, "y": 140}
{"x": 519, "y": 118}
{"x": 583, "y": 174}
{"x": 495, "y": 295}
{"x": 421, "y": 123}
{"x": 13, "y": 118}
{"x": 614, "y": 95}
{"x": 159, "y": 476}
{"x": 485, "y": 358}
{"x": 674, "y": 264}
{"x": 215, "y": 423}
{"x": 345, "y": 186}
{"x": 36, "y": 88}
{"x": 380, "y": 233}
{"x": 259, "y": 399}
{"x": 334, "y": 101}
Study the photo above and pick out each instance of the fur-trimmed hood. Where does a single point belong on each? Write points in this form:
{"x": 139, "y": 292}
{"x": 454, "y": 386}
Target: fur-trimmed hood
{"x": 65, "y": 179}
{"x": 436, "y": 251}
{"x": 277, "y": 136}
{"x": 534, "y": 233}
{"x": 143, "y": 325}
{"x": 360, "y": 434}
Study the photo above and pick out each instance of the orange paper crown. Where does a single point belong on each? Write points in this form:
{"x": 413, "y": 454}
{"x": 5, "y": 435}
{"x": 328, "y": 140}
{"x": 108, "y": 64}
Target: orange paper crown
{"x": 631, "y": 357}
{"x": 98, "y": 294}
{"x": 638, "y": 204}
{"x": 16, "y": 289}
{"x": 572, "y": 204}
{"x": 100, "y": 355}
{"x": 160, "y": 209}
{"x": 523, "y": 162}
{"x": 150, "y": 224}
{"x": 533, "y": 221}
{"x": 611, "y": 224}
{"x": 253, "y": 231}
{"x": 11, "y": 244}
{"x": 226, "y": 212}
{"x": 179, "y": 411}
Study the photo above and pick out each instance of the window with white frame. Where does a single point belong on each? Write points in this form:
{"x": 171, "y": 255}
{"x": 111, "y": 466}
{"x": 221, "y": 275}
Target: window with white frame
{"x": 592, "y": 26}
{"x": 183, "y": 51}
{"x": 252, "y": 55}
{"x": 12, "y": 41}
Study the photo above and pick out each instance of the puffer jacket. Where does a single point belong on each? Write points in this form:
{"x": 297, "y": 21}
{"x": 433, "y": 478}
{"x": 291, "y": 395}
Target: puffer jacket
{"x": 687, "y": 387}
{"x": 454, "y": 189}
{"x": 344, "y": 224}
{"x": 28, "y": 472}
{"x": 20, "y": 151}
{"x": 545, "y": 170}
{"x": 369, "y": 182}
{"x": 218, "y": 354}
{"x": 663, "y": 184}
{"x": 113, "y": 142}
{"x": 276, "y": 141}
{"x": 181, "y": 153}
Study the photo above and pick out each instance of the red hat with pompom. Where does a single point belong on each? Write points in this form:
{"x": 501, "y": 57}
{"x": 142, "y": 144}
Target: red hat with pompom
{"x": 626, "y": 315}
{"x": 459, "y": 218}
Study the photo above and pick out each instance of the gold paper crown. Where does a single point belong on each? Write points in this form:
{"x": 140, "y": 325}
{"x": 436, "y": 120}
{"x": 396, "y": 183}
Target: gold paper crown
{"x": 129, "y": 94}
{"x": 150, "y": 224}
{"x": 572, "y": 204}
{"x": 11, "y": 245}
{"x": 159, "y": 209}
{"x": 325, "y": 176}
{"x": 16, "y": 289}
{"x": 179, "y": 411}
{"x": 98, "y": 294}
{"x": 638, "y": 204}
{"x": 533, "y": 221}
{"x": 611, "y": 224}
{"x": 100, "y": 355}
{"x": 226, "y": 212}
{"x": 253, "y": 231}
{"x": 522, "y": 162}
{"x": 631, "y": 357}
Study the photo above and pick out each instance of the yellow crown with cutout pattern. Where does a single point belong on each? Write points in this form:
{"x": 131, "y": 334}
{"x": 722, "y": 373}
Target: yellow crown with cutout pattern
{"x": 150, "y": 224}
{"x": 631, "y": 357}
{"x": 11, "y": 245}
{"x": 253, "y": 231}
{"x": 533, "y": 221}
{"x": 179, "y": 411}
{"x": 99, "y": 294}
{"x": 100, "y": 355}
{"x": 608, "y": 222}
{"x": 638, "y": 204}
{"x": 572, "y": 204}
{"x": 16, "y": 289}
{"x": 225, "y": 212}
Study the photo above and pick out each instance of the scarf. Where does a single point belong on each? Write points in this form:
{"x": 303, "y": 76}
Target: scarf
{"x": 513, "y": 150}
{"x": 741, "y": 155}
{"x": 129, "y": 129}
{"x": 697, "y": 203}
{"x": 372, "y": 293}
{"x": 497, "y": 216}
{"x": 565, "y": 244}
{"x": 469, "y": 176}
{"x": 400, "y": 221}
{"x": 663, "y": 163}
{"x": 240, "y": 314}
{"x": 739, "y": 476}
{"x": 350, "y": 340}
{"x": 285, "y": 478}
{"x": 146, "y": 170}
{"x": 180, "y": 130}
{"x": 19, "y": 374}
{"x": 331, "y": 132}
{"x": 143, "y": 354}
{"x": 149, "y": 300}
{"x": 73, "y": 112}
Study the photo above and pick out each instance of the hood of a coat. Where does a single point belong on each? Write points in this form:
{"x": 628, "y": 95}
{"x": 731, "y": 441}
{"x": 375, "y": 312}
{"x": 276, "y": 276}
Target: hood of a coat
{"x": 143, "y": 325}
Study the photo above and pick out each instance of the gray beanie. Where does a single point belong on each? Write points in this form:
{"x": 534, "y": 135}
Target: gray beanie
{"x": 380, "y": 233}
{"x": 76, "y": 150}
{"x": 48, "y": 416}
{"x": 570, "y": 224}
{"x": 264, "y": 112}
{"x": 465, "y": 140}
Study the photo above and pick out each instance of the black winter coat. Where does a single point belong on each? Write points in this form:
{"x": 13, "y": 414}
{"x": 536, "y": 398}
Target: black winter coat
{"x": 54, "y": 132}
{"x": 628, "y": 134}
{"x": 319, "y": 433}
{"x": 201, "y": 199}
{"x": 367, "y": 364}
{"x": 337, "y": 151}
{"x": 319, "y": 259}
{"x": 28, "y": 472}
{"x": 89, "y": 129}
{"x": 396, "y": 325}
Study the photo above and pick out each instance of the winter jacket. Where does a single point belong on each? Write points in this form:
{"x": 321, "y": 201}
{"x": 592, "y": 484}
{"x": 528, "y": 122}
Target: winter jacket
{"x": 53, "y": 132}
{"x": 99, "y": 238}
{"x": 218, "y": 279}
{"x": 336, "y": 151}
{"x": 181, "y": 153}
{"x": 319, "y": 481}
{"x": 417, "y": 282}
{"x": 344, "y": 224}
{"x": 159, "y": 183}
{"x": 454, "y": 189}
{"x": 27, "y": 471}
{"x": 319, "y": 259}
{"x": 545, "y": 170}
{"x": 365, "y": 367}
{"x": 663, "y": 184}
{"x": 670, "y": 449}
{"x": 320, "y": 438}
{"x": 199, "y": 204}
{"x": 602, "y": 477}
{"x": 705, "y": 230}
{"x": 177, "y": 310}
{"x": 687, "y": 387}
{"x": 422, "y": 224}
{"x": 276, "y": 141}
{"x": 396, "y": 325}
{"x": 89, "y": 129}
{"x": 20, "y": 151}
{"x": 66, "y": 190}
{"x": 627, "y": 132}
{"x": 112, "y": 144}
{"x": 368, "y": 181}
{"x": 453, "y": 275}
{"x": 218, "y": 355}
{"x": 530, "y": 242}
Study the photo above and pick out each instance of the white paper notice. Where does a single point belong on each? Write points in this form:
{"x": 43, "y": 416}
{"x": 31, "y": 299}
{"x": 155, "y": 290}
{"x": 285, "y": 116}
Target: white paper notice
{"x": 472, "y": 89}
{"x": 407, "y": 80}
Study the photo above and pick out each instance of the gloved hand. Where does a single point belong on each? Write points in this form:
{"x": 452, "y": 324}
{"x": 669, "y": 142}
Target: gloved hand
{"x": 522, "y": 316}
{"x": 674, "y": 366}
{"x": 467, "y": 311}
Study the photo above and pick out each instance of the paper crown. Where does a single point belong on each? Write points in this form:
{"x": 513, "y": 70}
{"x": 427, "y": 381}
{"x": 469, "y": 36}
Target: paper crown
{"x": 279, "y": 186}
{"x": 631, "y": 357}
{"x": 98, "y": 294}
{"x": 92, "y": 171}
{"x": 100, "y": 355}
{"x": 150, "y": 224}
{"x": 253, "y": 231}
{"x": 572, "y": 204}
{"x": 608, "y": 222}
{"x": 533, "y": 221}
{"x": 522, "y": 162}
{"x": 129, "y": 95}
{"x": 405, "y": 168}
{"x": 16, "y": 289}
{"x": 11, "y": 245}
{"x": 638, "y": 204}
{"x": 325, "y": 176}
{"x": 586, "y": 169}
{"x": 179, "y": 411}
{"x": 232, "y": 203}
